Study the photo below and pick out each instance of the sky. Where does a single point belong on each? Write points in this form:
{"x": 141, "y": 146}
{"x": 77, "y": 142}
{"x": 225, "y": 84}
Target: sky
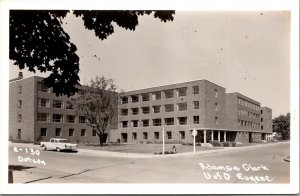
{"x": 246, "y": 52}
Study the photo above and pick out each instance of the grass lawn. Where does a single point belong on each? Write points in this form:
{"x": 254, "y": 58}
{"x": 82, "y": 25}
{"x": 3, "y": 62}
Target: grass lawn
{"x": 143, "y": 148}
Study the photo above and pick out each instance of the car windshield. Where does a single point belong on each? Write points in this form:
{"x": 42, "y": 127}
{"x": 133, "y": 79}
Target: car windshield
{"x": 63, "y": 141}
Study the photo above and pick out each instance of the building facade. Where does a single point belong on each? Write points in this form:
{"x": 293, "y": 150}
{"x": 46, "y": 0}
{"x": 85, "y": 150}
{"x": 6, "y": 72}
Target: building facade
{"x": 36, "y": 114}
{"x": 146, "y": 115}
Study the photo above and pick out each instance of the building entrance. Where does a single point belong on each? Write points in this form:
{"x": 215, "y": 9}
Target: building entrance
{"x": 123, "y": 137}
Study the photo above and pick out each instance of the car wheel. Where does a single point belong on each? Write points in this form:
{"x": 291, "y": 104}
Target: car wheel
{"x": 58, "y": 149}
{"x": 45, "y": 148}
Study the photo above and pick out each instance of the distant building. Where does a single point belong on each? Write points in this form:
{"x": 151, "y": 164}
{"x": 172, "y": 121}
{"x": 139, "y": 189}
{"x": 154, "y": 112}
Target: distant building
{"x": 38, "y": 114}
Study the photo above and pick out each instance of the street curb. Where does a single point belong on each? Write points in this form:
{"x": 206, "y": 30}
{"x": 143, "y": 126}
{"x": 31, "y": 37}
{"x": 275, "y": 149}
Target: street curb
{"x": 135, "y": 155}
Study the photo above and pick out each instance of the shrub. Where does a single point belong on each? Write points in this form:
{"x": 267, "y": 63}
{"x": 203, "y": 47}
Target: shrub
{"x": 233, "y": 144}
{"x": 167, "y": 152}
{"x": 226, "y": 144}
{"x": 172, "y": 152}
{"x": 141, "y": 142}
{"x": 215, "y": 143}
{"x": 160, "y": 153}
{"x": 155, "y": 153}
{"x": 148, "y": 142}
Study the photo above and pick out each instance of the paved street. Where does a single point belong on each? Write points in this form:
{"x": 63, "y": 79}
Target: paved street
{"x": 254, "y": 164}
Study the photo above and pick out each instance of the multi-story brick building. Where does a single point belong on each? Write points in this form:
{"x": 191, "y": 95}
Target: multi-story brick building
{"x": 38, "y": 114}
{"x": 180, "y": 108}
{"x": 35, "y": 114}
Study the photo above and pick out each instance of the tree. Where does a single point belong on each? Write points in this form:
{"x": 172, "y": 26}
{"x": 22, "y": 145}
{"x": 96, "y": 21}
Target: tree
{"x": 38, "y": 42}
{"x": 99, "y": 105}
{"x": 281, "y": 124}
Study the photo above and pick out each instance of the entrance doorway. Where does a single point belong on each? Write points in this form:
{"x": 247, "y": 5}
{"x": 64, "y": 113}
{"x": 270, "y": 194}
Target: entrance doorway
{"x": 123, "y": 137}
{"x": 250, "y": 137}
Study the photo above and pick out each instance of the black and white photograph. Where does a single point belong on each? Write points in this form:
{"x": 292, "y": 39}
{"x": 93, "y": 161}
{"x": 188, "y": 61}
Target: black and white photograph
{"x": 158, "y": 99}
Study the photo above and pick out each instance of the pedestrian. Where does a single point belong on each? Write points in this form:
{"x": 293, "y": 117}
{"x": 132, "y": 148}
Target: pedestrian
{"x": 174, "y": 149}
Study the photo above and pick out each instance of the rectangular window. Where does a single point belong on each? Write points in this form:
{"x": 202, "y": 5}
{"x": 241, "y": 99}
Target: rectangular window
{"x": 19, "y": 103}
{"x": 43, "y": 131}
{"x": 134, "y": 98}
{"x": 169, "y": 121}
{"x": 19, "y": 117}
{"x": 196, "y": 90}
{"x": 169, "y": 135}
{"x": 82, "y": 132}
{"x": 157, "y": 122}
{"x": 262, "y": 127}
{"x": 261, "y": 111}
{"x": 58, "y": 132}
{"x": 145, "y": 97}
{"x": 169, "y": 94}
{"x": 216, "y": 120}
{"x": 182, "y": 106}
{"x": 182, "y": 120}
{"x": 216, "y": 107}
{"x": 169, "y": 108}
{"x": 134, "y": 111}
{"x": 156, "y": 109}
{"x": 135, "y": 123}
{"x": 19, "y": 134}
{"x": 216, "y": 93}
{"x": 42, "y": 87}
{"x": 134, "y": 136}
{"x": 261, "y": 120}
{"x": 145, "y": 135}
{"x": 80, "y": 92}
{"x": 20, "y": 89}
{"x": 43, "y": 102}
{"x": 196, "y": 119}
{"x": 145, "y": 123}
{"x": 181, "y": 135}
{"x": 71, "y": 118}
{"x": 94, "y": 132}
{"x": 196, "y": 104}
{"x": 71, "y": 132}
{"x": 57, "y": 104}
{"x": 146, "y": 110}
{"x": 156, "y": 95}
{"x": 156, "y": 135}
{"x": 57, "y": 118}
{"x": 124, "y": 112}
{"x": 69, "y": 105}
{"x": 44, "y": 117}
{"x": 81, "y": 119}
{"x": 124, "y": 124}
{"x": 124, "y": 100}
{"x": 181, "y": 92}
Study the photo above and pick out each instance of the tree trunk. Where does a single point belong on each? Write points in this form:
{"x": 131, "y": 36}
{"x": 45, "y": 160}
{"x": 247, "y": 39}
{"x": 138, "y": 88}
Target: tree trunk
{"x": 100, "y": 138}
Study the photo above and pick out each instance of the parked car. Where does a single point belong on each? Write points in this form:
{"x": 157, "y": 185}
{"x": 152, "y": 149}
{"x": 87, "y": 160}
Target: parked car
{"x": 58, "y": 144}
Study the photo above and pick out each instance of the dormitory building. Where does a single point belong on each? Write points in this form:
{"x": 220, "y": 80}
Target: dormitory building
{"x": 37, "y": 114}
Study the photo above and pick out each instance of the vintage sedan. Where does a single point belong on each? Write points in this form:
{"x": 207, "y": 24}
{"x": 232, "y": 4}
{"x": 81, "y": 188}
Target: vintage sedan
{"x": 58, "y": 144}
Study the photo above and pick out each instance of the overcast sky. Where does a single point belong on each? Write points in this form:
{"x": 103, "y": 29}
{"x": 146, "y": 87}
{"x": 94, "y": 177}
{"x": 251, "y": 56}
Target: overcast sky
{"x": 246, "y": 52}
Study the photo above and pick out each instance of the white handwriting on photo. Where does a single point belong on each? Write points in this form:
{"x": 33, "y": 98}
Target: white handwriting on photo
{"x": 31, "y": 156}
{"x": 240, "y": 173}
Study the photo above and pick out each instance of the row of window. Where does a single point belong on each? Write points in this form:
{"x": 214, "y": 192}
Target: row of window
{"x": 55, "y": 103}
{"x": 168, "y": 108}
{"x": 248, "y": 104}
{"x": 71, "y": 132}
{"x": 158, "y": 122}
{"x": 45, "y": 117}
{"x": 156, "y": 135}
{"x": 245, "y": 123}
{"x": 247, "y": 113}
{"x": 158, "y": 95}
